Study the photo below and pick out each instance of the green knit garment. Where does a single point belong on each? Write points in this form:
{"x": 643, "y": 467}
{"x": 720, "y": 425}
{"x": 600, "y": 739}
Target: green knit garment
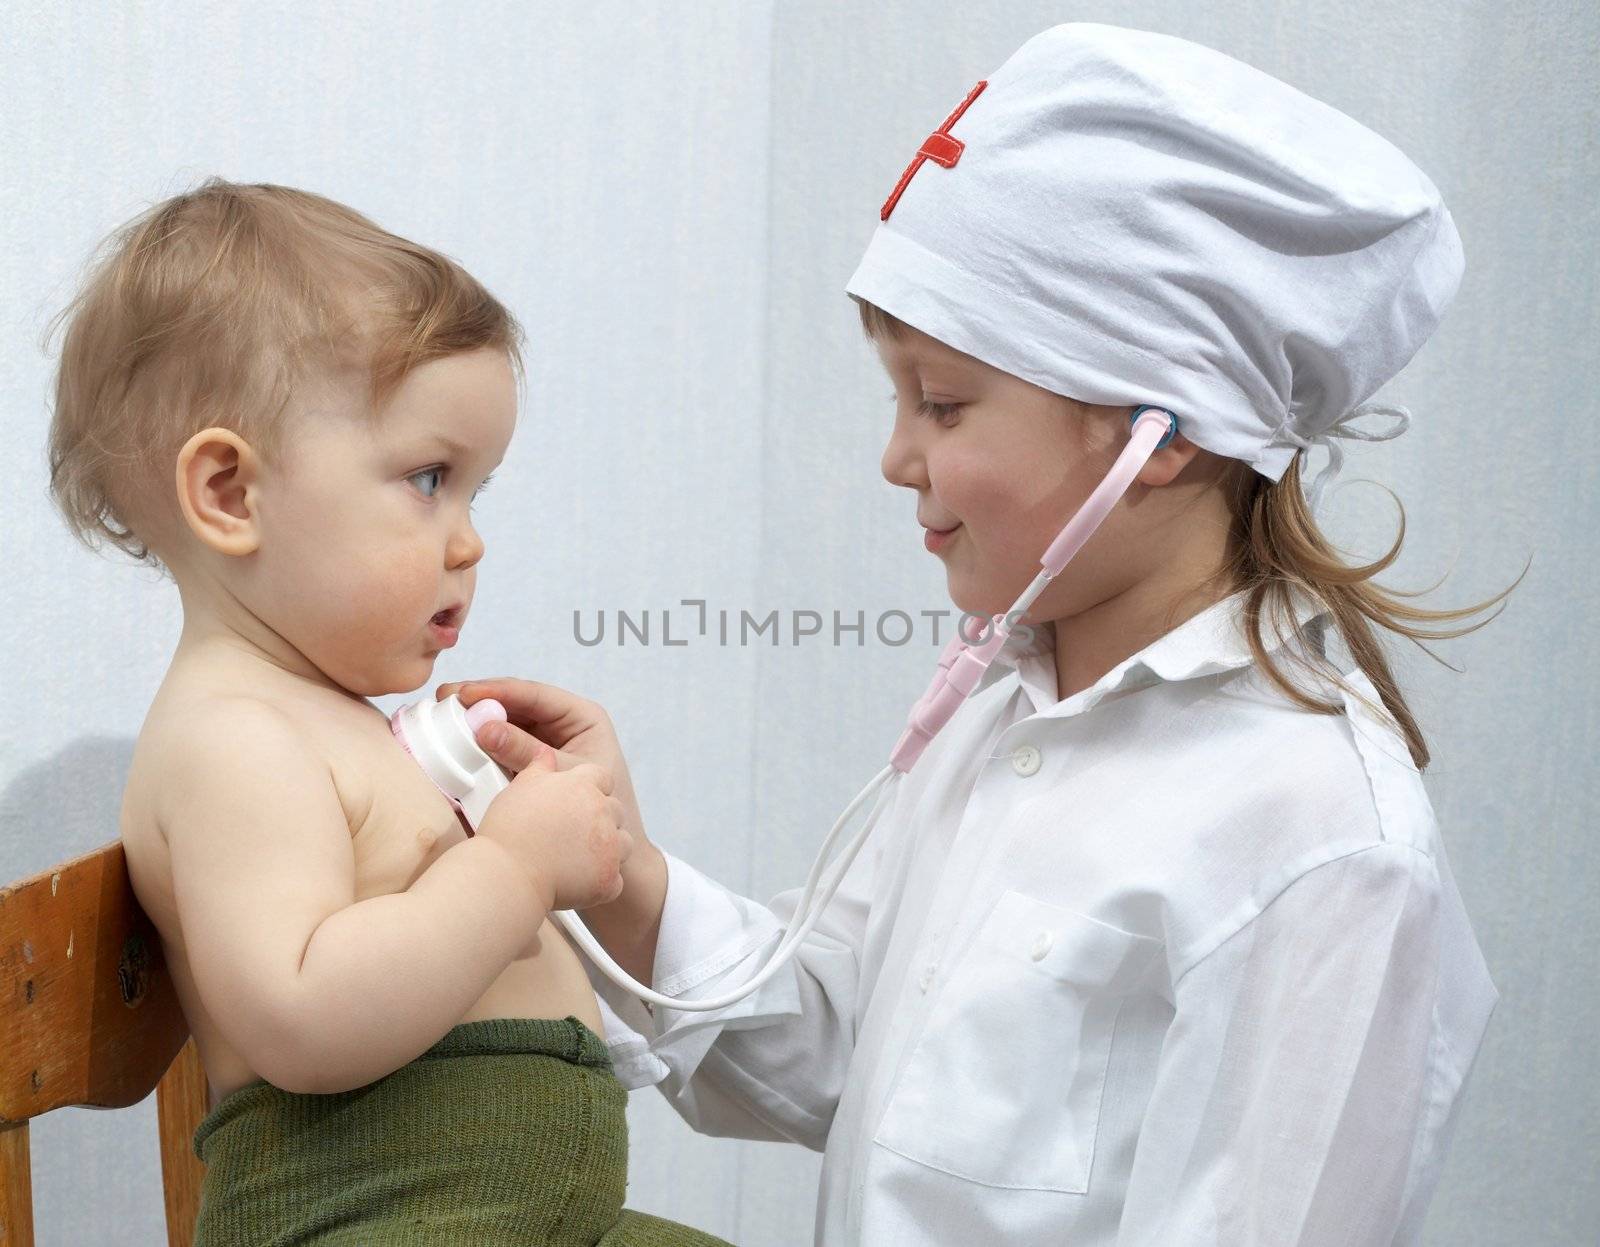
{"x": 508, "y": 1131}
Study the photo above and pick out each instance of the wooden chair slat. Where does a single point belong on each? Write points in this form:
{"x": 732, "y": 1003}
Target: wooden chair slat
{"x": 16, "y": 1194}
{"x": 90, "y": 1019}
{"x": 181, "y": 1105}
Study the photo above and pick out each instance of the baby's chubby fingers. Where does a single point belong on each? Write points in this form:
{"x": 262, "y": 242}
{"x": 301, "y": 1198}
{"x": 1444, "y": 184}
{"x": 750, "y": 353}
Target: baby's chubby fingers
{"x": 598, "y": 775}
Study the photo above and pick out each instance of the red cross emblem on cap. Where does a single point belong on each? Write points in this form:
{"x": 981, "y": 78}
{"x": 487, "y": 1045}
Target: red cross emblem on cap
{"x": 938, "y": 146}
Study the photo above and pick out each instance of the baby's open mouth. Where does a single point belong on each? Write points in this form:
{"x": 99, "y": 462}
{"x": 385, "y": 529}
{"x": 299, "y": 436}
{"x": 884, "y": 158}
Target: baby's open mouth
{"x": 446, "y": 618}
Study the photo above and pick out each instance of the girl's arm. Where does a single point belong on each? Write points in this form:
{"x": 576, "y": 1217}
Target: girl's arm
{"x": 318, "y": 992}
{"x": 771, "y": 1066}
{"x": 629, "y": 927}
{"x": 1306, "y": 1096}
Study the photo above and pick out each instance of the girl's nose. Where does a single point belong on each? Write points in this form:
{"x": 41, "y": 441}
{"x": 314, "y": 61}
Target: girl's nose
{"x": 902, "y": 462}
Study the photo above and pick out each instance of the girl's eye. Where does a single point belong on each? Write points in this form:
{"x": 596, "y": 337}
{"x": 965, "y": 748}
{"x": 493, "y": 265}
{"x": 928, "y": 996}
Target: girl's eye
{"x": 480, "y": 489}
{"x": 942, "y": 412}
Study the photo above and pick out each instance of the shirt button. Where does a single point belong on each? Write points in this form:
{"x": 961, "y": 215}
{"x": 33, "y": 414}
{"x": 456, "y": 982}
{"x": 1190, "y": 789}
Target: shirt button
{"x": 1025, "y": 760}
{"x": 926, "y": 976}
{"x": 1041, "y": 945}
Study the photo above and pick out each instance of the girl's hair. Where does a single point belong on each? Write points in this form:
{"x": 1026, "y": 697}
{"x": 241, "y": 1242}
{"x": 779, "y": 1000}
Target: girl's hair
{"x": 220, "y": 306}
{"x": 1273, "y": 544}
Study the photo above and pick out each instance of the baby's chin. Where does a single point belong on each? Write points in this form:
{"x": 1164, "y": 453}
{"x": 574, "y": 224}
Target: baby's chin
{"x": 411, "y": 677}
{"x": 399, "y": 675}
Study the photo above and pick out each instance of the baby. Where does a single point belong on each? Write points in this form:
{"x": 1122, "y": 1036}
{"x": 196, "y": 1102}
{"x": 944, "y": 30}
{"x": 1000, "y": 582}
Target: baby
{"x": 290, "y": 410}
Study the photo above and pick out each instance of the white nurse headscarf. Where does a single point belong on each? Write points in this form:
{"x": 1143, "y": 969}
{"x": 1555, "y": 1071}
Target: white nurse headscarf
{"x": 1126, "y": 217}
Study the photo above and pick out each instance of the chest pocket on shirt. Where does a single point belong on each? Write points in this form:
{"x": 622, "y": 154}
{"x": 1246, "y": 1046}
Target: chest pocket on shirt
{"x": 1004, "y": 1085}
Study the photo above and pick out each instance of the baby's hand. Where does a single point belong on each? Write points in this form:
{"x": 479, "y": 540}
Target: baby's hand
{"x": 564, "y": 828}
{"x": 569, "y": 730}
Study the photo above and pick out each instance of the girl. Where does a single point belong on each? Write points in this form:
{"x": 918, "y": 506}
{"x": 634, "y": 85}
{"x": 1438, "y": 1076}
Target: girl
{"x": 1155, "y": 945}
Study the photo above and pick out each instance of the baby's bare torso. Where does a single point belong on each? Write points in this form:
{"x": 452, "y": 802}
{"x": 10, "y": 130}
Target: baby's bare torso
{"x": 399, "y": 824}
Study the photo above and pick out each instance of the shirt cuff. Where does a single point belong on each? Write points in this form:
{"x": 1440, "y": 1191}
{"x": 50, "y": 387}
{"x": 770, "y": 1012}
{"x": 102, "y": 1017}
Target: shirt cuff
{"x": 711, "y": 940}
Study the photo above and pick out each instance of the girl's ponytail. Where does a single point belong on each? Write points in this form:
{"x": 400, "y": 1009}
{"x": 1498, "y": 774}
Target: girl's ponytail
{"x": 1274, "y": 542}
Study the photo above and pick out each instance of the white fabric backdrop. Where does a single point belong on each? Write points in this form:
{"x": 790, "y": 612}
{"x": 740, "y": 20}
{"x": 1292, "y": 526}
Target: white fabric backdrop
{"x": 671, "y": 198}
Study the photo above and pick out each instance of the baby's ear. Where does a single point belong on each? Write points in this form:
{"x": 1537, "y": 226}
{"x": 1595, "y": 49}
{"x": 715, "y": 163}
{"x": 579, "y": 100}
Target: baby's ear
{"x": 218, "y": 475}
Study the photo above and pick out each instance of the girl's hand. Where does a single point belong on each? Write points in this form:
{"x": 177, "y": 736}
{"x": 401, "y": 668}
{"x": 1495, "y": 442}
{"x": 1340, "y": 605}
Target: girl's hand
{"x": 544, "y": 718}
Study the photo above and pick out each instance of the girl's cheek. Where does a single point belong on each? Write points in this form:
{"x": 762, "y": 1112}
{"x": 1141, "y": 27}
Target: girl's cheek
{"x": 990, "y": 496}
{"x": 964, "y": 485}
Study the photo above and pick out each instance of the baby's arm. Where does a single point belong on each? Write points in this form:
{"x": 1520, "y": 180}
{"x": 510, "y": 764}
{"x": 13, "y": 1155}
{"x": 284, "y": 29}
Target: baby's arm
{"x": 318, "y": 992}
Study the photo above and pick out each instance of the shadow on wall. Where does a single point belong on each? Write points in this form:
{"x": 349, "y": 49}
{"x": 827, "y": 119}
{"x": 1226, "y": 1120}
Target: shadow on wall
{"x": 64, "y": 805}
{"x": 59, "y": 808}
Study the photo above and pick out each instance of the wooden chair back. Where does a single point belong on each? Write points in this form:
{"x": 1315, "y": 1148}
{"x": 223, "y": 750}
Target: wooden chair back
{"x": 90, "y": 1019}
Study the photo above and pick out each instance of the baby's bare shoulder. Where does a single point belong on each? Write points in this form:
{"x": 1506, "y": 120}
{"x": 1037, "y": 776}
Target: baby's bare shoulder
{"x": 190, "y": 757}
{"x": 241, "y": 732}
{"x": 189, "y": 744}
{"x": 218, "y": 719}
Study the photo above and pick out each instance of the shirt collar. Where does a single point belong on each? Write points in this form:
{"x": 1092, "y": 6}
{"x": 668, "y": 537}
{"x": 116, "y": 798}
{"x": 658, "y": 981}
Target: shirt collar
{"x": 1207, "y": 643}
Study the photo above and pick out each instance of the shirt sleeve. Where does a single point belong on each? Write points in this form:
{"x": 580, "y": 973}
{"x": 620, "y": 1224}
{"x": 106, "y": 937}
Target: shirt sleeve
{"x": 769, "y": 1066}
{"x": 1298, "y": 1067}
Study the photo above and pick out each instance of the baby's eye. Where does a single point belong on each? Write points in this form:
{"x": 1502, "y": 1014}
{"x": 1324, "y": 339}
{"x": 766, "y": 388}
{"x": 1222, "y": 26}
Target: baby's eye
{"x": 942, "y": 412}
{"x": 479, "y": 490}
{"x": 437, "y": 471}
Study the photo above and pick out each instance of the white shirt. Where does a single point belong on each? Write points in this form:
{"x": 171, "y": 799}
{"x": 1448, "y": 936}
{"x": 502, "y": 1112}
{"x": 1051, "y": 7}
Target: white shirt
{"x": 1169, "y": 962}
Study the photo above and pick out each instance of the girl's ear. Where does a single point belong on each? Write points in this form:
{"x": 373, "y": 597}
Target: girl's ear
{"x": 218, "y": 476}
{"x": 1163, "y": 466}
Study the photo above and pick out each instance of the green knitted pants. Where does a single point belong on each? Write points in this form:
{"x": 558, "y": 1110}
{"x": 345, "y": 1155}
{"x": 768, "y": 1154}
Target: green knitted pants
{"x": 508, "y": 1132}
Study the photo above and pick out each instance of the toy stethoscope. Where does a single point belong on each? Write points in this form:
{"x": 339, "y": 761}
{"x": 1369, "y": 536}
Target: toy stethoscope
{"x": 441, "y": 735}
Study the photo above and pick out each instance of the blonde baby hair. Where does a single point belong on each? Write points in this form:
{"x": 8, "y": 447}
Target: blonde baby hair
{"x": 222, "y": 306}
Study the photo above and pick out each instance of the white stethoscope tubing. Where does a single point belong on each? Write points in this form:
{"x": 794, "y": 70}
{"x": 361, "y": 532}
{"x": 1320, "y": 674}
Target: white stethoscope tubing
{"x": 791, "y": 938}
